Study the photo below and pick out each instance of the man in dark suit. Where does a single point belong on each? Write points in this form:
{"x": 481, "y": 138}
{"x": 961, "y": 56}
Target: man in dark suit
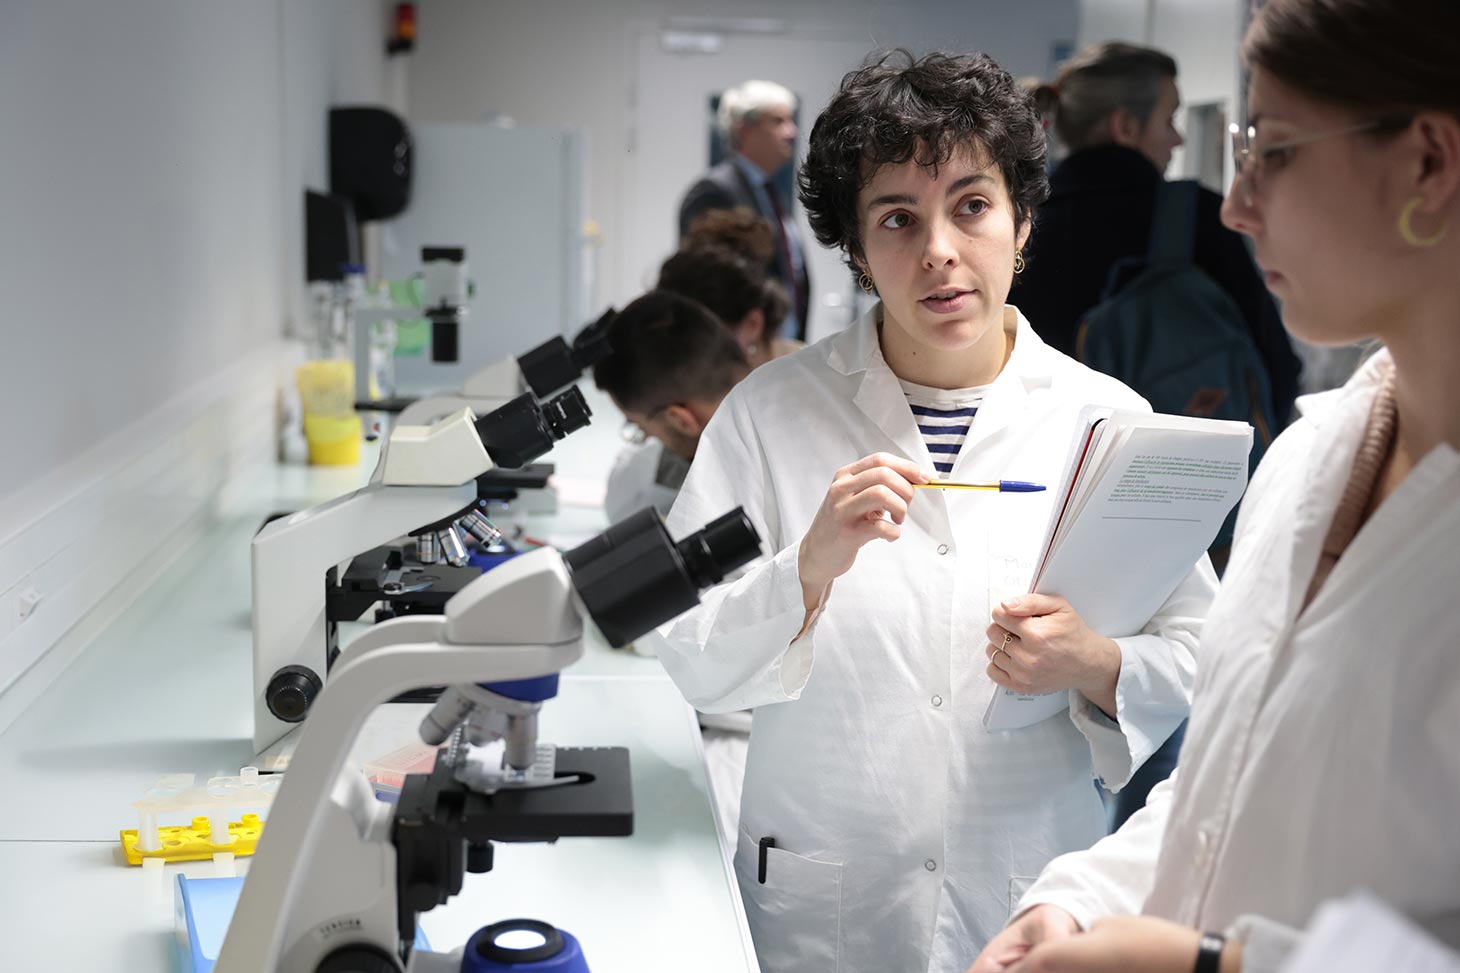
{"x": 758, "y": 121}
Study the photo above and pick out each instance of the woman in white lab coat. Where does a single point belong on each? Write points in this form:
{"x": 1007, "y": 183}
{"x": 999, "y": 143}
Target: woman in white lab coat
{"x": 883, "y": 828}
{"x": 1322, "y": 751}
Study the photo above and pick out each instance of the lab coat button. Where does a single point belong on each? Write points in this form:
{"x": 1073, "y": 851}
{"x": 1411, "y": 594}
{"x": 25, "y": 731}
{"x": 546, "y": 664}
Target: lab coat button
{"x": 1203, "y": 846}
{"x": 942, "y": 548}
{"x": 937, "y": 700}
{"x": 930, "y": 865}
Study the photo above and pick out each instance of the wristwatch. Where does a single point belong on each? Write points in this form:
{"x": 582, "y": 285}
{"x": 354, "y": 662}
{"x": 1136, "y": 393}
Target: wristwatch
{"x": 1209, "y": 953}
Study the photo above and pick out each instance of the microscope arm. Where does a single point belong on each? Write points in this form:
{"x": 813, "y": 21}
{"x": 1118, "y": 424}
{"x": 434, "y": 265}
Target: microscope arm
{"x": 289, "y": 560}
{"x": 321, "y": 814}
{"x": 426, "y": 475}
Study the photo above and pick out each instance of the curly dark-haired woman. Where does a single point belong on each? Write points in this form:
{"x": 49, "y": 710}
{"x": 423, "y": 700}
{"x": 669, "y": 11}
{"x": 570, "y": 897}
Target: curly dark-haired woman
{"x": 882, "y": 826}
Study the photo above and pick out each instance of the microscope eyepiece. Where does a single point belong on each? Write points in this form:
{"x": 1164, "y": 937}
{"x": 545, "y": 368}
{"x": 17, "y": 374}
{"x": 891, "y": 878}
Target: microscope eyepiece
{"x": 548, "y": 367}
{"x": 633, "y": 576}
{"x": 567, "y": 412}
{"x": 592, "y": 346}
{"x": 553, "y": 364}
{"x": 523, "y": 429}
{"x": 719, "y": 548}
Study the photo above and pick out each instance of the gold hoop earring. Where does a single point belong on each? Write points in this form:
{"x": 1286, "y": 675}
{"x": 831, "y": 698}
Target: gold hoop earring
{"x": 1018, "y": 262}
{"x": 1406, "y": 232}
{"x": 866, "y": 283}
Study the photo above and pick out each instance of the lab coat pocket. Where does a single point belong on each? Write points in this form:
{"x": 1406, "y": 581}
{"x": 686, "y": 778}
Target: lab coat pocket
{"x": 795, "y": 917}
{"x": 1018, "y": 885}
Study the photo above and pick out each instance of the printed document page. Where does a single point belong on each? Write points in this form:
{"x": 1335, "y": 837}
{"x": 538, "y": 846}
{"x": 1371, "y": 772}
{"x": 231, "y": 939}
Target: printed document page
{"x": 1144, "y": 497}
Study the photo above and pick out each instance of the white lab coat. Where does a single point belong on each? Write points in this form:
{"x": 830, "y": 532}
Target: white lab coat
{"x": 904, "y": 829}
{"x": 637, "y": 480}
{"x": 1323, "y": 753}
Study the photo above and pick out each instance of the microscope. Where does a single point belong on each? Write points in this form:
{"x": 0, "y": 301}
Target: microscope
{"x": 339, "y": 878}
{"x": 552, "y": 365}
{"x": 445, "y": 291}
{"x": 425, "y": 486}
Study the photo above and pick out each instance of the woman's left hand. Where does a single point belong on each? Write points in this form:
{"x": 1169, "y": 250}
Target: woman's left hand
{"x": 1039, "y": 644}
{"x": 1123, "y": 944}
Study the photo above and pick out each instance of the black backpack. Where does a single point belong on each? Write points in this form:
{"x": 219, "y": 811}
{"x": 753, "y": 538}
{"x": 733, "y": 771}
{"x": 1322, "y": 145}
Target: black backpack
{"x": 1165, "y": 328}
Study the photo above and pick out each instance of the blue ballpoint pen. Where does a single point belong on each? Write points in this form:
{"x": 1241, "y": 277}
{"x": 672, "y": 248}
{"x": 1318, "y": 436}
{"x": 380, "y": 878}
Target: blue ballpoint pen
{"x": 1003, "y": 486}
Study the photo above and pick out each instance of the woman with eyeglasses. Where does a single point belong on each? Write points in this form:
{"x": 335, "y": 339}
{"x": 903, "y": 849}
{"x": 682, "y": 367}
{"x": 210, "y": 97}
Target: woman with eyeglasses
{"x": 1322, "y": 751}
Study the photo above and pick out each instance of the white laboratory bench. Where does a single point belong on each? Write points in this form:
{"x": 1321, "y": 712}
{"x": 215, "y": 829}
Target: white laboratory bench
{"x": 166, "y": 689}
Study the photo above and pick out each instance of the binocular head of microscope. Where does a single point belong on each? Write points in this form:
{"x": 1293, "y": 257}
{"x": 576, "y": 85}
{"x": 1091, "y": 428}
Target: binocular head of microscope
{"x": 555, "y": 364}
{"x": 305, "y": 578}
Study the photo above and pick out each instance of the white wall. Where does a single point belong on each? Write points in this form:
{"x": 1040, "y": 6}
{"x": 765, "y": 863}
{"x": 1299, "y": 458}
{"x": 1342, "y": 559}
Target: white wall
{"x": 556, "y": 63}
{"x": 1123, "y": 20}
{"x": 1202, "y": 35}
{"x": 141, "y": 186}
{"x": 154, "y": 157}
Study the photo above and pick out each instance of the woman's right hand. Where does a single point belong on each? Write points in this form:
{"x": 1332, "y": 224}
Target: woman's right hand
{"x": 1041, "y": 924}
{"x": 857, "y": 508}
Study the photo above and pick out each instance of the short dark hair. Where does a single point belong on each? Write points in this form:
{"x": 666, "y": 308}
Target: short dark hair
{"x": 741, "y": 229}
{"x": 897, "y": 108}
{"x": 1103, "y": 78}
{"x": 1376, "y": 57}
{"x": 668, "y": 349}
{"x": 727, "y": 283}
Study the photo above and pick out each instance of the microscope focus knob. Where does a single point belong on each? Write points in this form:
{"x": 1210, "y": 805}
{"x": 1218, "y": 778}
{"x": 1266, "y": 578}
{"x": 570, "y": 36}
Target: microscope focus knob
{"x": 291, "y": 692}
{"x": 478, "y": 857}
{"x": 358, "y": 958}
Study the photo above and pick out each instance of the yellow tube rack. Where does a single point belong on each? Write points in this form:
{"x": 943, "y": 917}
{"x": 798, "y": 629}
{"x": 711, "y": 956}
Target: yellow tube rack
{"x": 190, "y": 843}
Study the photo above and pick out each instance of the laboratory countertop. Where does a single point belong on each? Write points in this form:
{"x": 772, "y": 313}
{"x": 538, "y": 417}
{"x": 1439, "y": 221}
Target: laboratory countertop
{"x": 166, "y": 689}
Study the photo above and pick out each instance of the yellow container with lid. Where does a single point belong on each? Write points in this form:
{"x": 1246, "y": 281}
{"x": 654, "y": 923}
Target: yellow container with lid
{"x": 333, "y": 441}
{"x": 331, "y": 426}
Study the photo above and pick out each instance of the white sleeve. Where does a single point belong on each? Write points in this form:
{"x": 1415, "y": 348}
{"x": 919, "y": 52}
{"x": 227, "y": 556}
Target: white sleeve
{"x": 1266, "y": 945}
{"x": 1269, "y": 946}
{"x": 1115, "y": 876}
{"x": 631, "y": 486}
{"x": 1153, "y": 690}
{"x": 738, "y": 649}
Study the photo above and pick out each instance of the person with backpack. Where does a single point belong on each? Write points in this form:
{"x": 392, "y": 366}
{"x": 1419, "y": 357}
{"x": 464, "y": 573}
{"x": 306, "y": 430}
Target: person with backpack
{"x": 1138, "y": 278}
{"x": 1114, "y": 110}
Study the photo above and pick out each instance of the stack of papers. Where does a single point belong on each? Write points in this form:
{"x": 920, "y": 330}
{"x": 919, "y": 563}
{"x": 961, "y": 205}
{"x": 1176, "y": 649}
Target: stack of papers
{"x": 1142, "y": 497}
{"x": 1360, "y": 934}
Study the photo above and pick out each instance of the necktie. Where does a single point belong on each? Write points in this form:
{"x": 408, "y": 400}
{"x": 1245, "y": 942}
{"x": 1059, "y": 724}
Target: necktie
{"x": 793, "y": 282}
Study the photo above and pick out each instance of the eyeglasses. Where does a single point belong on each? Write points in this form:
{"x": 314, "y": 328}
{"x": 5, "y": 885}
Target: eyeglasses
{"x": 634, "y": 433}
{"x": 1251, "y": 161}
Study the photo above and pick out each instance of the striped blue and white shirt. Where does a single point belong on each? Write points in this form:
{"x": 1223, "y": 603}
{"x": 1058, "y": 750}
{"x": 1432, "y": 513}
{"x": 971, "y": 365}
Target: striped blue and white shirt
{"x": 944, "y": 417}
